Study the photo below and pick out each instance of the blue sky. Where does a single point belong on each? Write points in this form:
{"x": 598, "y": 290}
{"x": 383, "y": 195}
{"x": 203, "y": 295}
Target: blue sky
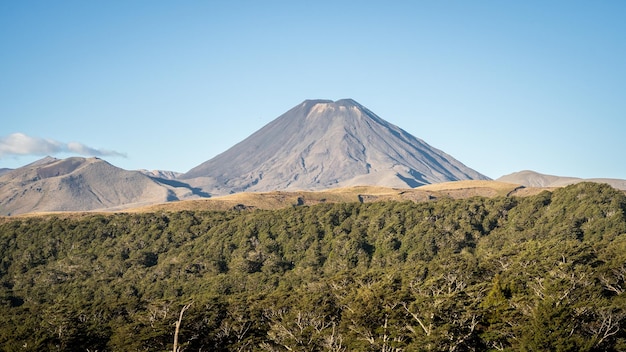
{"x": 502, "y": 86}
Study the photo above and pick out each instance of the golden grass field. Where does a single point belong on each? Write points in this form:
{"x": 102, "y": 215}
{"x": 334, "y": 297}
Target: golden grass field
{"x": 360, "y": 194}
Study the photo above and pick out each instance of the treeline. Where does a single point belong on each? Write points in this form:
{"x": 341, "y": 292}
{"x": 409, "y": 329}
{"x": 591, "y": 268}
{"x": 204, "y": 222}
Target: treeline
{"x": 541, "y": 273}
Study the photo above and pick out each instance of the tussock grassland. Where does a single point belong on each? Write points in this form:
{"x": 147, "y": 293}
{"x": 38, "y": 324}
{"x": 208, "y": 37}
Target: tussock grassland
{"x": 361, "y": 194}
{"x": 357, "y": 194}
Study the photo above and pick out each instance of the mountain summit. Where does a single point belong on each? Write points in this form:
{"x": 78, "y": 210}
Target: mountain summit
{"x": 84, "y": 184}
{"x": 320, "y": 144}
{"x": 79, "y": 184}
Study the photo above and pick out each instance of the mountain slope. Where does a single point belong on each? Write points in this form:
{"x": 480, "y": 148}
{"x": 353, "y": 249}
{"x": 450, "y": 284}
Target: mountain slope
{"x": 362, "y": 194}
{"x": 530, "y": 178}
{"x": 320, "y": 144}
{"x": 160, "y": 174}
{"x": 76, "y": 184}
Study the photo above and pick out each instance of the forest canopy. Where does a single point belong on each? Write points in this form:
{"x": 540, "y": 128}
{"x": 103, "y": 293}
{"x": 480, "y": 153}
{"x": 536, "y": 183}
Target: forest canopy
{"x": 544, "y": 272}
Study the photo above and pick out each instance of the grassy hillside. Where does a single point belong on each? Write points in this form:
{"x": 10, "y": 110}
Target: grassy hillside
{"x": 362, "y": 194}
{"x": 542, "y": 272}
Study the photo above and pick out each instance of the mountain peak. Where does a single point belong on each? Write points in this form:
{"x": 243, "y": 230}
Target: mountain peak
{"x": 321, "y": 144}
{"x": 76, "y": 184}
{"x": 43, "y": 161}
{"x": 347, "y": 102}
{"x": 531, "y": 178}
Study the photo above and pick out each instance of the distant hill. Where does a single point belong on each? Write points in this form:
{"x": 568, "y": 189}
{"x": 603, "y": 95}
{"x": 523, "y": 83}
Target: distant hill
{"x": 162, "y": 174}
{"x": 322, "y": 144}
{"x": 78, "y": 184}
{"x": 534, "y": 179}
{"x": 319, "y": 151}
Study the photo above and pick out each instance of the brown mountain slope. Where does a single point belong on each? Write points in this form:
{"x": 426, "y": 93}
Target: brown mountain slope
{"x": 470, "y": 188}
{"x": 76, "y": 184}
{"x": 321, "y": 144}
{"x": 364, "y": 194}
{"x": 535, "y": 179}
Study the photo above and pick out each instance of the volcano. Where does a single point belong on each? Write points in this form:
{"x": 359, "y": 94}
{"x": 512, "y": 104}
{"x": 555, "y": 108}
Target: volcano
{"x": 321, "y": 144}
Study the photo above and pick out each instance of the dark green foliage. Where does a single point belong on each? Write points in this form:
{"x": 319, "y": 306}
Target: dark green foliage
{"x": 546, "y": 272}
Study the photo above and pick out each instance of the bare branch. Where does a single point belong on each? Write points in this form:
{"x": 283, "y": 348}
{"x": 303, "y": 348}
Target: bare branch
{"x": 607, "y": 327}
{"x": 611, "y": 285}
{"x": 427, "y": 330}
{"x": 180, "y": 319}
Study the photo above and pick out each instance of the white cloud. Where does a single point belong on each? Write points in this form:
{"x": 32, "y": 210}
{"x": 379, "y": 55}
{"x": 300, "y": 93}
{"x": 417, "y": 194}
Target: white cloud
{"x": 82, "y": 149}
{"x": 21, "y": 144}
